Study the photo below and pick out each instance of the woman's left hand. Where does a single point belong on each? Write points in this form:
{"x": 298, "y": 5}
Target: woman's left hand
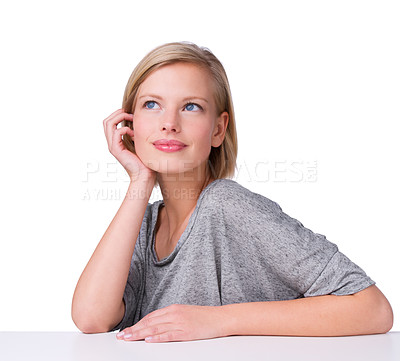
{"x": 178, "y": 323}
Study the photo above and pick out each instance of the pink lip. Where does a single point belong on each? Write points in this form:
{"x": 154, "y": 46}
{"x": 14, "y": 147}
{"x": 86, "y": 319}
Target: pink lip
{"x": 169, "y": 145}
{"x": 169, "y": 142}
{"x": 169, "y": 148}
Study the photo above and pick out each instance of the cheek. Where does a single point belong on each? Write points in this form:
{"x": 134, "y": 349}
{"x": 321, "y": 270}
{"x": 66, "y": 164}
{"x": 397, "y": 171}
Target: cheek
{"x": 204, "y": 133}
{"x": 202, "y": 141}
{"x": 205, "y": 138}
{"x": 141, "y": 127}
{"x": 141, "y": 133}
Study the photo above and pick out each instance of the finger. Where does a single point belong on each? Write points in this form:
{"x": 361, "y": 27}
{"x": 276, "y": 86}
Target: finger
{"x": 149, "y": 320}
{"x": 117, "y": 144}
{"x": 156, "y": 329}
{"x": 152, "y": 319}
{"x": 110, "y": 124}
{"x": 117, "y": 117}
{"x": 167, "y": 337}
{"x": 119, "y": 111}
{"x": 112, "y": 115}
{"x": 157, "y": 316}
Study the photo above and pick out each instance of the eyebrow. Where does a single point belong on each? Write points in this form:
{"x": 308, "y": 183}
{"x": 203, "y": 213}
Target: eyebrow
{"x": 161, "y": 98}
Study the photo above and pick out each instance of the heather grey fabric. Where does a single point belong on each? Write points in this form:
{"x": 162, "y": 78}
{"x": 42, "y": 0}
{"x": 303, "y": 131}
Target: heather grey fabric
{"x": 238, "y": 246}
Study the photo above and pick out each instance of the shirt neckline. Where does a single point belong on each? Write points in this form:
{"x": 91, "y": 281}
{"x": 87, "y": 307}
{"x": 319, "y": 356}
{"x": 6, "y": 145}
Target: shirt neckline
{"x": 186, "y": 232}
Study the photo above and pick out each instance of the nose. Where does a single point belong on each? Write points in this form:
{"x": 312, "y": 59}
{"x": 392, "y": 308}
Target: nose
{"x": 170, "y": 122}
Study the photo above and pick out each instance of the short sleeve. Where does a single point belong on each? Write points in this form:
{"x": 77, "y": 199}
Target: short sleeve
{"x": 339, "y": 277}
{"x": 301, "y": 260}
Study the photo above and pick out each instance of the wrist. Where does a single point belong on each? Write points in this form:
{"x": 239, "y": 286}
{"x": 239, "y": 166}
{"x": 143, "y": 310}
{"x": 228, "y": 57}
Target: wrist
{"x": 229, "y": 320}
{"x": 140, "y": 189}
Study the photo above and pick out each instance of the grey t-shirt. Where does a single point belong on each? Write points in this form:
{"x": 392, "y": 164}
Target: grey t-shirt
{"x": 238, "y": 246}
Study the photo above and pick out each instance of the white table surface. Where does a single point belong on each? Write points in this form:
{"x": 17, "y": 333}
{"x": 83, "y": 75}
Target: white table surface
{"x": 45, "y": 346}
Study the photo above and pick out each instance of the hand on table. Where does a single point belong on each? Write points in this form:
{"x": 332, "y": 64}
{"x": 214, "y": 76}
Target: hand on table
{"x": 177, "y": 323}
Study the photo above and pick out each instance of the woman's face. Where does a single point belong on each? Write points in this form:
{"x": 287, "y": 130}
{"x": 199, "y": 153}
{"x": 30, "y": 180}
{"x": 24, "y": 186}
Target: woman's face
{"x": 176, "y": 102}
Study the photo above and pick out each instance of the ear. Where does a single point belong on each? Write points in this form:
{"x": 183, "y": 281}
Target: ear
{"x": 219, "y": 131}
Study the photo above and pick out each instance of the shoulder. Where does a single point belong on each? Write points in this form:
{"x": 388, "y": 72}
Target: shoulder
{"x": 235, "y": 198}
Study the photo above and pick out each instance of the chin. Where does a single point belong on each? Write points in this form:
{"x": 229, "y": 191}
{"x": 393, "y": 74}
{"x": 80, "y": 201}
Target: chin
{"x": 173, "y": 166}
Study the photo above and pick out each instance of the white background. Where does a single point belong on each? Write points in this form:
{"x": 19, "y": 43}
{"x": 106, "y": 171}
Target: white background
{"x": 315, "y": 86}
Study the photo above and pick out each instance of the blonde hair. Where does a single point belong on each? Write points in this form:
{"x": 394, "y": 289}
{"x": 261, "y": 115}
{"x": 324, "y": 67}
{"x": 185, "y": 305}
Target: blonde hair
{"x": 222, "y": 160}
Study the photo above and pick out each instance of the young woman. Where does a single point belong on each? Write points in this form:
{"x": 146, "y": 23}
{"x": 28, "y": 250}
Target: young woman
{"x": 211, "y": 258}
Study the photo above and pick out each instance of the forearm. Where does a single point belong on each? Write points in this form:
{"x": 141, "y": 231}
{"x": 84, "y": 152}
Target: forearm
{"x": 97, "y": 303}
{"x": 367, "y": 312}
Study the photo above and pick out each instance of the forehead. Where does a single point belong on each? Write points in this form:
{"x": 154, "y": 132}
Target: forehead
{"x": 178, "y": 79}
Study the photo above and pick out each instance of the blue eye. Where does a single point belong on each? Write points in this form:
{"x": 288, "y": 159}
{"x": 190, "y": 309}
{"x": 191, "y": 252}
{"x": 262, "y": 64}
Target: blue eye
{"x": 191, "y": 106}
{"x": 150, "y": 105}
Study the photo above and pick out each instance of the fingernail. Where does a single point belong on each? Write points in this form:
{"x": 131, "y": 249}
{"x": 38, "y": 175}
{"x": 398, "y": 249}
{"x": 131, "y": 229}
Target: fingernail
{"x": 120, "y": 334}
{"x": 128, "y": 335}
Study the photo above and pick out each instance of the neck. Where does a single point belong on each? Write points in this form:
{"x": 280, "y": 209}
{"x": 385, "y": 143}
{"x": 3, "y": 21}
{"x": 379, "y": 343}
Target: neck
{"x": 180, "y": 194}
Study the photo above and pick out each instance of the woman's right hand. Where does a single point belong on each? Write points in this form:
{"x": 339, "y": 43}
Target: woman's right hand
{"x": 131, "y": 162}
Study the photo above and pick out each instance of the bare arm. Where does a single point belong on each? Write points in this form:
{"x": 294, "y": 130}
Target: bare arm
{"x": 97, "y": 305}
{"x": 365, "y": 312}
